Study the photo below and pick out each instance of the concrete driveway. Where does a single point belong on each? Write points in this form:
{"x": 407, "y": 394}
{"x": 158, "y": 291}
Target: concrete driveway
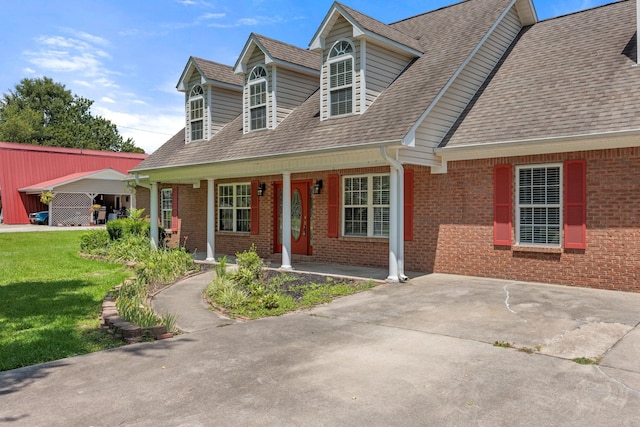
{"x": 419, "y": 353}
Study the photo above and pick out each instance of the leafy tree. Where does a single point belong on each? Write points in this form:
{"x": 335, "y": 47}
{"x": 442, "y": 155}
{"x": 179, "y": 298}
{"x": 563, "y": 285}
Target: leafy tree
{"x": 41, "y": 111}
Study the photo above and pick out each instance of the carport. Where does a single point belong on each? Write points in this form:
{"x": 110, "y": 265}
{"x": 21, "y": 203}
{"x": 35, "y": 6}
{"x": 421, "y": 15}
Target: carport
{"x": 77, "y": 193}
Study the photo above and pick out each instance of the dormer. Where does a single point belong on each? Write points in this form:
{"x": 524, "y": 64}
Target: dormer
{"x": 213, "y": 98}
{"x": 277, "y": 77}
{"x": 360, "y": 58}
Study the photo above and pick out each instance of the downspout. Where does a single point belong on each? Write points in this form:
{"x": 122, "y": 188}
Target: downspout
{"x": 396, "y": 217}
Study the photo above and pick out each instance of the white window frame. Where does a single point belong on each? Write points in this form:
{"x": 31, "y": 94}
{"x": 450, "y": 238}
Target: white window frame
{"x": 257, "y": 78}
{"x": 234, "y": 208}
{"x": 166, "y": 208}
{"x": 196, "y": 96}
{"x": 370, "y": 206}
{"x": 559, "y": 205}
{"x": 343, "y": 57}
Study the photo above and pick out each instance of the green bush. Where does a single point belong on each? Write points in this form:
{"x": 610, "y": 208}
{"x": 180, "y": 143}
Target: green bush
{"x": 250, "y": 263}
{"x": 95, "y": 242}
{"x": 163, "y": 266}
{"x": 121, "y": 227}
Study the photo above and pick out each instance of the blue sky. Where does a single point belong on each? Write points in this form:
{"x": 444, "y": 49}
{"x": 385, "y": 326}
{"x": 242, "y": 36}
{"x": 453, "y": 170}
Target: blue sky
{"x": 127, "y": 55}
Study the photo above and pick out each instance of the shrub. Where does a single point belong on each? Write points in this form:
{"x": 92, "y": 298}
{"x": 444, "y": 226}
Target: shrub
{"x": 250, "y": 262}
{"x": 163, "y": 266}
{"x": 221, "y": 267}
{"x": 121, "y": 227}
{"x": 95, "y": 242}
{"x": 132, "y": 248}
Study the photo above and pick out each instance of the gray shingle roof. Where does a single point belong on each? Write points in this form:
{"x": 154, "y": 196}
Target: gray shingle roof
{"x": 290, "y": 53}
{"x": 448, "y": 35}
{"x": 565, "y": 76}
{"x": 218, "y": 72}
{"x": 384, "y": 30}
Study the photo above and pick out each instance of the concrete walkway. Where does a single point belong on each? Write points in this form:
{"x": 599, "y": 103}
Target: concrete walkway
{"x": 412, "y": 354}
{"x": 185, "y": 300}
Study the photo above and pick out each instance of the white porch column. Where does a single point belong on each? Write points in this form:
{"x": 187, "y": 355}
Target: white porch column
{"x": 286, "y": 221}
{"x": 393, "y": 227}
{"x": 153, "y": 214}
{"x": 211, "y": 221}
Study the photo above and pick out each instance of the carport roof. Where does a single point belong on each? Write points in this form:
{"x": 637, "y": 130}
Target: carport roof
{"x": 103, "y": 174}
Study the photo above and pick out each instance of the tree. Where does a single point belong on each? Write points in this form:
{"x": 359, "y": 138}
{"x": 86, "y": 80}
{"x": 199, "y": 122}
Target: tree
{"x": 43, "y": 112}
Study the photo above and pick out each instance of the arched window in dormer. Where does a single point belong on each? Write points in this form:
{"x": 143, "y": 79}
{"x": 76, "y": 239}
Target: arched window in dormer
{"x": 341, "y": 78}
{"x": 258, "y": 98}
{"x": 196, "y": 112}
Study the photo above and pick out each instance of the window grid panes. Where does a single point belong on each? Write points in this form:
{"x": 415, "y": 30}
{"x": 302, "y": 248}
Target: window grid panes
{"x": 234, "y": 207}
{"x": 166, "y": 207}
{"x": 341, "y": 79}
{"x": 196, "y": 113}
{"x": 366, "y": 205}
{"x": 539, "y": 205}
{"x": 258, "y": 99}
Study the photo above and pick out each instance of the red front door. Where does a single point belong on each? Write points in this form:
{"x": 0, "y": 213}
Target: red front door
{"x": 300, "y": 217}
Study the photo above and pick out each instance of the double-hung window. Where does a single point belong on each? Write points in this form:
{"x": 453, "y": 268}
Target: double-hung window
{"x": 258, "y": 98}
{"x": 234, "y": 207}
{"x": 196, "y": 113}
{"x": 539, "y": 205}
{"x": 341, "y": 78}
{"x": 166, "y": 207}
{"x": 366, "y": 205}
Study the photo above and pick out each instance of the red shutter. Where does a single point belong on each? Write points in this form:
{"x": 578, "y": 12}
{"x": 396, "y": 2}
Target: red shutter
{"x": 575, "y": 198}
{"x": 174, "y": 207}
{"x": 502, "y": 211}
{"x": 408, "y": 204}
{"x": 255, "y": 208}
{"x": 333, "y": 199}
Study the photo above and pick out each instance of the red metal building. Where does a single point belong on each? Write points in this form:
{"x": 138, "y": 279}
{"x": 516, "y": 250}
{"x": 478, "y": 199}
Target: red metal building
{"x": 24, "y": 166}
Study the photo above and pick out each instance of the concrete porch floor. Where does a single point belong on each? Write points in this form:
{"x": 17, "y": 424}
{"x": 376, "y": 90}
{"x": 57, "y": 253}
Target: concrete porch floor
{"x": 331, "y": 269}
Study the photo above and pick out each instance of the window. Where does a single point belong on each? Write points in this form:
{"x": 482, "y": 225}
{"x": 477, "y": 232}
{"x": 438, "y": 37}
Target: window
{"x": 341, "y": 79}
{"x": 539, "y": 205}
{"x": 258, "y": 98}
{"x": 166, "y": 207}
{"x": 234, "y": 207}
{"x": 196, "y": 108}
{"x": 366, "y": 205}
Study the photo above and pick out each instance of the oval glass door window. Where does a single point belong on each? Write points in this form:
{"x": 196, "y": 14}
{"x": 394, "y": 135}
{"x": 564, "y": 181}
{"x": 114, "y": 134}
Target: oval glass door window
{"x": 296, "y": 214}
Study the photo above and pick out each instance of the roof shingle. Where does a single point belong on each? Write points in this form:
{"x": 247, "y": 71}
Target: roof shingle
{"x": 564, "y": 76}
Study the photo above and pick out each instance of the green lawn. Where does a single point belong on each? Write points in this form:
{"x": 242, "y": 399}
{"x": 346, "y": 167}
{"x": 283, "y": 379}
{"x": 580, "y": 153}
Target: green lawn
{"x": 50, "y": 298}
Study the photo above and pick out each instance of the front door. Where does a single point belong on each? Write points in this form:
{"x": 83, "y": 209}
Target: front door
{"x": 300, "y": 217}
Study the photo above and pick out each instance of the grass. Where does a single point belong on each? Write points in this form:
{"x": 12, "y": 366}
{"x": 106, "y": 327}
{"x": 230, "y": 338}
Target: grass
{"x": 51, "y": 298}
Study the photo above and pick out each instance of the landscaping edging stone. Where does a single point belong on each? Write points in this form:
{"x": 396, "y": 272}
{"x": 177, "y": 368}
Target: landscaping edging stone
{"x": 120, "y": 328}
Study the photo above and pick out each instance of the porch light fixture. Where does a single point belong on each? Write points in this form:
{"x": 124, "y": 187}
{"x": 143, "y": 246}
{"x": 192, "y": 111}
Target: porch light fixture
{"x": 317, "y": 187}
{"x": 261, "y": 187}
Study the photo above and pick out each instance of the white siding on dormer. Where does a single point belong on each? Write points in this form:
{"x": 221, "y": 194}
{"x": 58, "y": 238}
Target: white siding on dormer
{"x": 226, "y": 105}
{"x": 383, "y": 66}
{"x": 452, "y": 103}
{"x": 293, "y": 89}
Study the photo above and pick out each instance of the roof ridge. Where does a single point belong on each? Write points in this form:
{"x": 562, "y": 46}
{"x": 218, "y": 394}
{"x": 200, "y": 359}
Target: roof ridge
{"x": 211, "y": 62}
{"x": 281, "y": 42}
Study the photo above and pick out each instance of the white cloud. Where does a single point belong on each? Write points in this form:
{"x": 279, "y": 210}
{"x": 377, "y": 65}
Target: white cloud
{"x": 108, "y": 100}
{"x": 251, "y": 22}
{"x": 149, "y": 130}
{"x": 212, "y": 16}
{"x": 29, "y": 70}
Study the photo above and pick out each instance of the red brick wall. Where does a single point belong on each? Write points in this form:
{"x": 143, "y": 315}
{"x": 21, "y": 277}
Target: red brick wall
{"x": 459, "y": 211}
{"x": 453, "y": 229}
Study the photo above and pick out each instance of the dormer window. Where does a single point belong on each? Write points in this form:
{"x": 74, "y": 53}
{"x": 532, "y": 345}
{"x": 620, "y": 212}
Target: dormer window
{"x": 196, "y": 115}
{"x": 341, "y": 78}
{"x": 258, "y": 98}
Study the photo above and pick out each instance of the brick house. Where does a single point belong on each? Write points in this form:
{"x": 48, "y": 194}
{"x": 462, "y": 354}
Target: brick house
{"x": 471, "y": 139}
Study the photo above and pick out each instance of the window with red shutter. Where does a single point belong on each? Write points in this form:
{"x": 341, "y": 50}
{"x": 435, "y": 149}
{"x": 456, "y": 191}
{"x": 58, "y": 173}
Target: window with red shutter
{"x": 255, "y": 208}
{"x": 575, "y": 197}
{"x": 408, "y": 204}
{"x": 333, "y": 199}
{"x": 502, "y": 205}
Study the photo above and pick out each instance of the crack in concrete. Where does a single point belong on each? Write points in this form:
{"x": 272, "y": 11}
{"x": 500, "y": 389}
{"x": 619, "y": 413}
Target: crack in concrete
{"x": 617, "y": 381}
{"x": 506, "y": 302}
